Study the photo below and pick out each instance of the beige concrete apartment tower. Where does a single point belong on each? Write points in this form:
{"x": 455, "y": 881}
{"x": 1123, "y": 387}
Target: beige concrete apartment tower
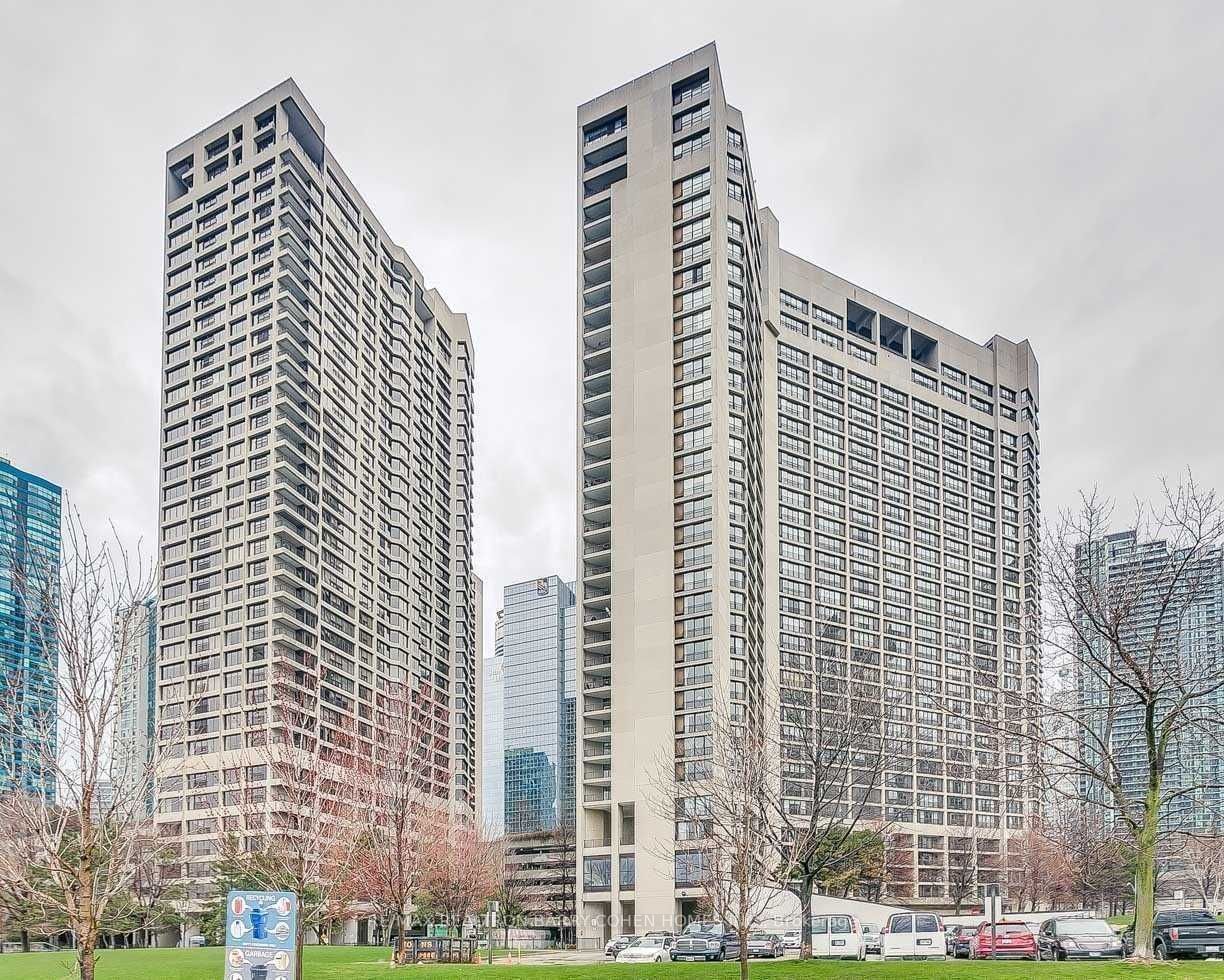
{"x": 781, "y": 477}
{"x": 316, "y": 480}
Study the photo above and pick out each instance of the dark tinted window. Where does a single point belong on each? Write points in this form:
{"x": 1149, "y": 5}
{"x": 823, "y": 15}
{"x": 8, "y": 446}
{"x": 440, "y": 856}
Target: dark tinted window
{"x": 839, "y": 924}
{"x": 820, "y": 925}
{"x": 902, "y": 923}
{"x": 1186, "y": 915}
{"x": 926, "y": 923}
{"x": 1084, "y": 927}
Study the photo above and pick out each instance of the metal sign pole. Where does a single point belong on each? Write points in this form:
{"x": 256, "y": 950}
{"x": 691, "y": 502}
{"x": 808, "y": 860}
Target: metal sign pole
{"x": 992, "y": 899}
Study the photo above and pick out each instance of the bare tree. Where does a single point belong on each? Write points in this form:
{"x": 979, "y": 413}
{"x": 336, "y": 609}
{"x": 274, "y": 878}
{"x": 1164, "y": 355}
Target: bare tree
{"x": 1034, "y": 870}
{"x": 832, "y": 756}
{"x": 463, "y": 869}
{"x": 563, "y": 890}
{"x": 403, "y": 808}
{"x": 962, "y": 869}
{"x": 72, "y": 850}
{"x": 154, "y": 898}
{"x": 722, "y": 800}
{"x": 1202, "y": 860}
{"x": 307, "y": 837}
{"x": 1140, "y": 668}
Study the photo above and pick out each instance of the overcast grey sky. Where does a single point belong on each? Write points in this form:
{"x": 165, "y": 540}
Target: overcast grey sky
{"x": 1040, "y": 170}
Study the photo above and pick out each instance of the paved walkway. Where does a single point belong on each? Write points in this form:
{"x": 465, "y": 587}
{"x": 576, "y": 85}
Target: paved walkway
{"x": 555, "y": 957}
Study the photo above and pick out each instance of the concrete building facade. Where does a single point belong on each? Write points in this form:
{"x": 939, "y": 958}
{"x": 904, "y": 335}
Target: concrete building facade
{"x": 316, "y": 479}
{"x": 782, "y": 476}
{"x": 29, "y": 569}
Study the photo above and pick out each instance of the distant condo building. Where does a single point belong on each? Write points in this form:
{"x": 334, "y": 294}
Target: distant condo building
{"x": 316, "y": 480}
{"x": 1126, "y": 569}
{"x": 782, "y": 477}
{"x": 136, "y": 698}
{"x": 29, "y": 572}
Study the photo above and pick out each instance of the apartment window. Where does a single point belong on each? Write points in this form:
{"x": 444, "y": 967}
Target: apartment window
{"x": 597, "y": 873}
{"x": 691, "y": 145}
{"x": 691, "y": 88}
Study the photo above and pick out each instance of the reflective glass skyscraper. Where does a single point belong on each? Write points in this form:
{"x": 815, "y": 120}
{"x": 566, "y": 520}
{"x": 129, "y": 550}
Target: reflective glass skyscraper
{"x": 29, "y": 554}
{"x": 492, "y": 737}
{"x": 538, "y": 704}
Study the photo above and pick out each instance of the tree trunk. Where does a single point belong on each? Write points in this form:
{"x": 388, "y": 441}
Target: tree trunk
{"x": 805, "y": 918}
{"x": 85, "y": 957}
{"x": 299, "y": 941}
{"x": 25, "y": 940}
{"x": 400, "y": 956}
{"x": 1145, "y": 870}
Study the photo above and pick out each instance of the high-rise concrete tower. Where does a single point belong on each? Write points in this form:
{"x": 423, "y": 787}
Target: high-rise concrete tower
{"x": 782, "y": 476}
{"x": 316, "y": 475}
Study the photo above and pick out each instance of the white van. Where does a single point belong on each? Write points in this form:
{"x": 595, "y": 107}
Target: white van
{"x": 837, "y": 937}
{"x": 914, "y": 936}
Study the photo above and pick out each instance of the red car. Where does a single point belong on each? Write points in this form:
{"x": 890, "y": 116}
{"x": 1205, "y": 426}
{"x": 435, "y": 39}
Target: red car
{"x": 1013, "y": 941}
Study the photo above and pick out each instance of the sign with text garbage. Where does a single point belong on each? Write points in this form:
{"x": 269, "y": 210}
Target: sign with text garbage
{"x": 260, "y": 935}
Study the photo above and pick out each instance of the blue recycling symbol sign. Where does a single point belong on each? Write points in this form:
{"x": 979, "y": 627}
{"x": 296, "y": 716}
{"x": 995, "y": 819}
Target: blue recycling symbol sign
{"x": 260, "y": 935}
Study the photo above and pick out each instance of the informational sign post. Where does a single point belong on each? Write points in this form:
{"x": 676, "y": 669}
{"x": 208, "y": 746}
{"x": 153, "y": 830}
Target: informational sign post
{"x": 260, "y": 935}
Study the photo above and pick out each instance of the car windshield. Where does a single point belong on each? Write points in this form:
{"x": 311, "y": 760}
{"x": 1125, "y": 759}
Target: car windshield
{"x": 1011, "y": 930}
{"x": 760, "y": 935}
{"x": 648, "y": 941}
{"x": 1084, "y": 927}
{"x": 697, "y": 928}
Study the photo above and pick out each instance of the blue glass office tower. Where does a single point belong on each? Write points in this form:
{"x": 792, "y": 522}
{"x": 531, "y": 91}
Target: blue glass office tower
{"x": 29, "y": 553}
{"x": 538, "y": 670}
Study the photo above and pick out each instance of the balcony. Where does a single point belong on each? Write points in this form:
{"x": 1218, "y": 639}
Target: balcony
{"x": 596, "y": 426}
{"x": 597, "y": 385}
{"x": 597, "y": 252}
{"x": 593, "y": 299}
{"x": 597, "y": 319}
{"x": 597, "y": 275}
{"x": 597, "y": 491}
{"x": 597, "y": 361}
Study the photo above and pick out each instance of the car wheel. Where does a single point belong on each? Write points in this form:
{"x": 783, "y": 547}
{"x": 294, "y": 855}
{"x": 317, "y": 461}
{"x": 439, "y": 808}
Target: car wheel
{"x": 1160, "y": 952}
{"x": 658, "y": 959}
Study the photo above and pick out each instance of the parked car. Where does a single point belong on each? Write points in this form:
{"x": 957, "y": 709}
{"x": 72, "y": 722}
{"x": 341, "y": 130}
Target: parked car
{"x": 837, "y": 937}
{"x": 617, "y": 943}
{"x": 914, "y": 936}
{"x": 871, "y": 938}
{"x": 705, "y": 941}
{"x": 1078, "y": 939}
{"x": 792, "y": 939}
{"x": 647, "y": 949}
{"x": 1182, "y": 934}
{"x": 1003, "y": 941}
{"x": 765, "y": 944}
{"x": 958, "y": 941}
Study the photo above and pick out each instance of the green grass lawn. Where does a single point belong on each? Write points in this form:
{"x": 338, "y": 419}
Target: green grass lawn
{"x": 367, "y": 963}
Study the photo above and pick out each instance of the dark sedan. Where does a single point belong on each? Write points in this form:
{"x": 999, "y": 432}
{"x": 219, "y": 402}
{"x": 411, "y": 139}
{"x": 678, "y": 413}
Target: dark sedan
{"x": 1078, "y": 939}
